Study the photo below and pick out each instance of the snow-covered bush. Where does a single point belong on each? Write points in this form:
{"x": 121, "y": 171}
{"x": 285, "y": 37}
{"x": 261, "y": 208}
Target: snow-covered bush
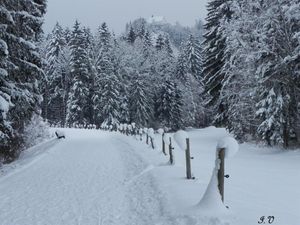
{"x": 35, "y": 131}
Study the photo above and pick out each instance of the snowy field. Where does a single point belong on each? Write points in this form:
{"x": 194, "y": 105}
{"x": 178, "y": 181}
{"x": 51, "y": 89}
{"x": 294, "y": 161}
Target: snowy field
{"x": 100, "y": 178}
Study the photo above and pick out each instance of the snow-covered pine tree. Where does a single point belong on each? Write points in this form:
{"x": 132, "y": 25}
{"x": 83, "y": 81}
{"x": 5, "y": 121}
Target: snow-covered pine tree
{"x": 238, "y": 90}
{"x": 194, "y": 57}
{"x": 277, "y": 71}
{"x": 6, "y": 131}
{"x": 141, "y": 106}
{"x": 54, "y": 96}
{"x": 181, "y": 66}
{"x": 167, "y": 47}
{"x": 169, "y": 105}
{"x": 20, "y": 25}
{"x": 214, "y": 46}
{"x": 107, "y": 100}
{"x": 110, "y": 100}
{"x": 92, "y": 71}
{"x": 131, "y": 36}
{"x": 160, "y": 42}
{"x": 78, "y": 97}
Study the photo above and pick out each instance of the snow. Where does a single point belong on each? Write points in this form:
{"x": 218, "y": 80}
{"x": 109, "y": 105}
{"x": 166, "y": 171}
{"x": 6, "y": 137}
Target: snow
{"x": 160, "y": 131}
{"x": 230, "y": 144}
{"x": 4, "y": 106}
{"x": 101, "y": 177}
{"x": 60, "y": 133}
{"x": 211, "y": 201}
{"x": 151, "y": 132}
{"x": 167, "y": 137}
{"x": 157, "y": 20}
{"x": 180, "y": 137}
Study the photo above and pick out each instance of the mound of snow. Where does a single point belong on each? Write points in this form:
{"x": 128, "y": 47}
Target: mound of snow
{"x": 211, "y": 200}
{"x": 230, "y": 144}
{"x": 167, "y": 137}
{"x": 151, "y": 132}
{"x": 160, "y": 131}
{"x": 129, "y": 127}
{"x": 180, "y": 137}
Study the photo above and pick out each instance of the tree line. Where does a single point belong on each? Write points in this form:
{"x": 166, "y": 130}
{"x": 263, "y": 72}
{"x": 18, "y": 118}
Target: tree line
{"x": 251, "y": 68}
{"x": 103, "y": 79}
{"x": 243, "y": 74}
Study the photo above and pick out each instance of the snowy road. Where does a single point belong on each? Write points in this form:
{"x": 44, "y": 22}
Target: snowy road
{"x": 101, "y": 178}
{"x": 91, "y": 178}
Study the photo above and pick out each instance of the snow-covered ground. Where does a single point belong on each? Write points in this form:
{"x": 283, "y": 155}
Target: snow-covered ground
{"x": 94, "y": 177}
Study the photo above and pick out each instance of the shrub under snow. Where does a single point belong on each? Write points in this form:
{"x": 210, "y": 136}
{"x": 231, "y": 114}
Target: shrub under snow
{"x": 35, "y": 131}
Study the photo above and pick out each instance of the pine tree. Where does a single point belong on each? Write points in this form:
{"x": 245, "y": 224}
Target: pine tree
{"x": 92, "y": 71}
{"x": 131, "y": 36}
{"x": 78, "y": 96}
{"x": 214, "y": 46}
{"x": 181, "y": 66}
{"x": 167, "y": 47}
{"x": 110, "y": 100}
{"x": 160, "y": 42}
{"x": 20, "y": 69}
{"x": 54, "y": 96}
{"x": 193, "y": 55}
{"x": 169, "y": 105}
{"x": 277, "y": 91}
{"x": 238, "y": 88}
{"x": 140, "y": 104}
{"x": 6, "y": 132}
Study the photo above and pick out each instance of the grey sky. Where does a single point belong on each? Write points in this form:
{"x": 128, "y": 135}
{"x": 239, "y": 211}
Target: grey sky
{"x": 118, "y": 12}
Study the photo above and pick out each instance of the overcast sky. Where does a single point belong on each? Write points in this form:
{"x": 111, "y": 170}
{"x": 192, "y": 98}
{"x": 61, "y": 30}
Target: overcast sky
{"x": 118, "y": 12}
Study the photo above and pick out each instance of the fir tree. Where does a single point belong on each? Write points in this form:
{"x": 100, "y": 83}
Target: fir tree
{"x": 193, "y": 55}
{"x": 160, "y": 42}
{"x": 169, "y": 105}
{"x": 54, "y": 96}
{"x": 78, "y": 96}
{"x": 214, "y": 46}
{"x": 131, "y": 36}
{"x": 21, "y": 27}
{"x": 140, "y": 104}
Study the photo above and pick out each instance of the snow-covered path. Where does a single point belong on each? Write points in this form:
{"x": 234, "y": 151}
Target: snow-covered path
{"x": 90, "y": 178}
{"x": 101, "y": 178}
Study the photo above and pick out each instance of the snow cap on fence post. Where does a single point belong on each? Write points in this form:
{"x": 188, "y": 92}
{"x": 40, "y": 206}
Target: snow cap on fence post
{"x": 133, "y": 125}
{"x": 160, "y": 131}
{"x": 167, "y": 137}
{"x": 180, "y": 138}
{"x": 150, "y": 132}
{"x": 230, "y": 145}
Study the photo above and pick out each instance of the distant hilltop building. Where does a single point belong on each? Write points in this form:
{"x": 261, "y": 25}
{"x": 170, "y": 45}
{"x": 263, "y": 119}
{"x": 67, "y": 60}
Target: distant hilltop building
{"x": 157, "y": 19}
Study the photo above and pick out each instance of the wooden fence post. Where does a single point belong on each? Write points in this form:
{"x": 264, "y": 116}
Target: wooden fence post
{"x": 188, "y": 159}
{"x": 221, "y": 172}
{"x": 163, "y": 144}
{"x": 171, "y": 152}
{"x": 152, "y": 143}
{"x": 147, "y": 139}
